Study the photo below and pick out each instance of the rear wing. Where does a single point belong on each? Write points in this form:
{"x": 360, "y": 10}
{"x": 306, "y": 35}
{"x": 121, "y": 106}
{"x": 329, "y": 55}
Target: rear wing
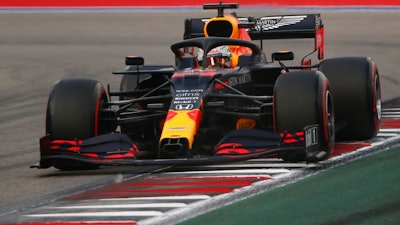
{"x": 271, "y": 27}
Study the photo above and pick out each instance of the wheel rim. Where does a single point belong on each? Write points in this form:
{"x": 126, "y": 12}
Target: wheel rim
{"x": 378, "y": 102}
{"x": 330, "y": 118}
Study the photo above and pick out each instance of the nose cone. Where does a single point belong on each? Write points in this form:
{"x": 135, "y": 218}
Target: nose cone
{"x": 179, "y": 131}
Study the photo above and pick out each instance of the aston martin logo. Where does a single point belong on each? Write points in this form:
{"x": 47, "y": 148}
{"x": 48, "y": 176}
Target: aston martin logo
{"x": 274, "y": 22}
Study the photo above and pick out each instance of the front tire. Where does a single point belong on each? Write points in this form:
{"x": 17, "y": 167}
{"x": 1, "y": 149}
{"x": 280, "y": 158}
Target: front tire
{"x": 73, "y": 112}
{"x": 301, "y": 99}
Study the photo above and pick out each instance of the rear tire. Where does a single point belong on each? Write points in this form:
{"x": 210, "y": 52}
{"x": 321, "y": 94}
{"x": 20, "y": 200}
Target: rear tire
{"x": 128, "y": 83}
{"x": 303, "y": 98}
{"x": 73, "y": 112}
{"x": 356, "y": 92}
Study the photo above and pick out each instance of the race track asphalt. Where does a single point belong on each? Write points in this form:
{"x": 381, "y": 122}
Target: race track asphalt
{"x": 36, "y": 49}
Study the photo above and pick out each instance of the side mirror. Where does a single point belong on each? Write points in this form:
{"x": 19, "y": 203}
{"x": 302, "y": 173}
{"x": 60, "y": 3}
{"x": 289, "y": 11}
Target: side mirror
{"x": 134, "y": 61}
{"x": 283, "y": 56}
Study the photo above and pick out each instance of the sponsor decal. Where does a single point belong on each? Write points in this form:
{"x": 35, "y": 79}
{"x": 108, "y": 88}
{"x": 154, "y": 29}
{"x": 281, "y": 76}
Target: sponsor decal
{"x": 184, "y": 106}
{"x": 275, "y": 22}
{"x": 187, "y": 99}
{"x": 242, "y": 79}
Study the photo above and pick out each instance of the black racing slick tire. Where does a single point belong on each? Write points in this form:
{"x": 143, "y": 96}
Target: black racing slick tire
{"x": 356, "y": 92}
{"x": 73, "y": 112}
{"x": 301, "y": 99}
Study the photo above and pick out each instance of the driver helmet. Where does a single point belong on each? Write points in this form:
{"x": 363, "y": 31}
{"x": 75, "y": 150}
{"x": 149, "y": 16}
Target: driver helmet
{"x": 218, "y": 57}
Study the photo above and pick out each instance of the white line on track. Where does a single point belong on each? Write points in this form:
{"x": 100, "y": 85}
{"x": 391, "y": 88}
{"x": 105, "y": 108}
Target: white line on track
{"x": 386, "y": 134}
{"x": 389, "y": 130}
{"x": 123, "y": 206}
{"x": 188, "y": 197}
{"x": 391, "y": 110}
{"x": 100, "y": 214}
{"x": 239, "y": 171}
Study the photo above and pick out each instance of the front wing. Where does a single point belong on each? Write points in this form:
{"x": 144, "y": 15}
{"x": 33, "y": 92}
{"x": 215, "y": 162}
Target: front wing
{"x": 118, "y": 149}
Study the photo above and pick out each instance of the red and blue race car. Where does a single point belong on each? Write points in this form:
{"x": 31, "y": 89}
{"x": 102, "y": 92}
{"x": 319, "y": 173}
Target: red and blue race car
{"x": 222, "y": 101}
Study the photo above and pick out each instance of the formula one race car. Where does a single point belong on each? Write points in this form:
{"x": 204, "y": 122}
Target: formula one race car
{"x": 222, "y": 101}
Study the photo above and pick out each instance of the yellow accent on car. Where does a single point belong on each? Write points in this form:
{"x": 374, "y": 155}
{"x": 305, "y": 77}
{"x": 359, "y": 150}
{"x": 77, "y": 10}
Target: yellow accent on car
{"x": 183, "y": 124}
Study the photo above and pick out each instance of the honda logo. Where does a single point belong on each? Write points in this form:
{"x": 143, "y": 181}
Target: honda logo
{"x": 184, "y": 107}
